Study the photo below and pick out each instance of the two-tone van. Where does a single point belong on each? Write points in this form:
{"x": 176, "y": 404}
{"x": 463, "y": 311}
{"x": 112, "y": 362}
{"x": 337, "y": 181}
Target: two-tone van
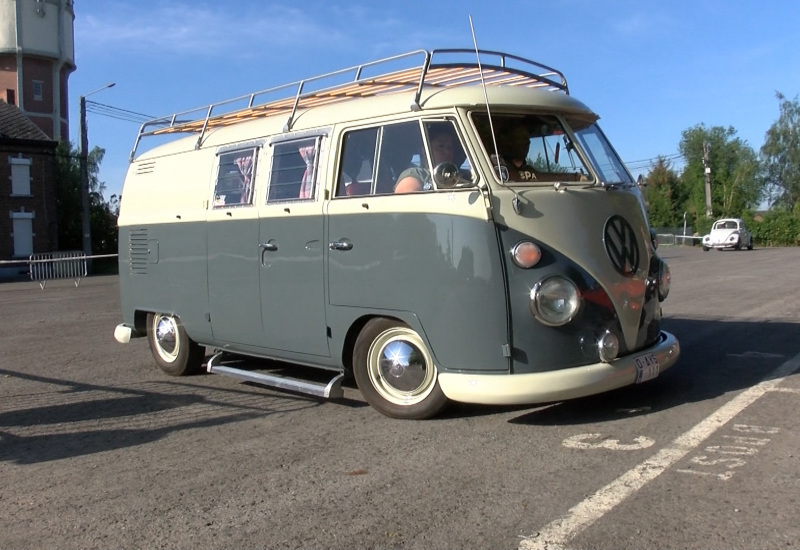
{"x": 272, "y": 226}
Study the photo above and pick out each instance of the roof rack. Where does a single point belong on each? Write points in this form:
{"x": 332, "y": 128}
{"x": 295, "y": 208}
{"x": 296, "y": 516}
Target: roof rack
{"x": 441, "y": 68}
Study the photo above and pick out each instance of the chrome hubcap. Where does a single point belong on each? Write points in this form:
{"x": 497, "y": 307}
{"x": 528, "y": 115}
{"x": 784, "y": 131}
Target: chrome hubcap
{"x": 400, "y": 367}
{"x": 166, "y": 332}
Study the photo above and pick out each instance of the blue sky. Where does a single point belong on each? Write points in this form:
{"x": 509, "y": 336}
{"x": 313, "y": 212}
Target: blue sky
{"x": 650, "y": 68}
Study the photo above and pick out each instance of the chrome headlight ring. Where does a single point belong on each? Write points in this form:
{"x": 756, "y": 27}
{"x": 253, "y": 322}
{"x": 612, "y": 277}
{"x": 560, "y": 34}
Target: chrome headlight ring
{"x": 555, "y": 301}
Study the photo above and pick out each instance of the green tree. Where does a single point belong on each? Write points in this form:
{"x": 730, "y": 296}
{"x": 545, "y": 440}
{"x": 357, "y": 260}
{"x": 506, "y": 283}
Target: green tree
{"x": 102, "y": 215}
{"x": 737, "y": 184}
{"x": 781, "y": 155}
{"x": 663, "y": 195}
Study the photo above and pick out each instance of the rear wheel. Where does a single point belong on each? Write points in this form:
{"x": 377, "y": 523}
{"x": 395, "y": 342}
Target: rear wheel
{"x": 395, "y": 371}
{"x": 705, "y": 248}
{"x": 175, "y": 353}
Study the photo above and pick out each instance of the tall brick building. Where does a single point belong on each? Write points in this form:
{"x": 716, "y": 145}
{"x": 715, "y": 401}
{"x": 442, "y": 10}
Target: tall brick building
{"x": 27, "y": 186}
{"x": 36, "y": 58}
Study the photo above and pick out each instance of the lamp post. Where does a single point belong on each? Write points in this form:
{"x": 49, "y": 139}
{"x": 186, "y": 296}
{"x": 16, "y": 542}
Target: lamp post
{"x": 84, "y": 152}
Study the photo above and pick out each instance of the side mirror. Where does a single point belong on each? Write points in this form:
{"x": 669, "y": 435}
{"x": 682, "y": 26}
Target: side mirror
{"x": 447, "y": 176}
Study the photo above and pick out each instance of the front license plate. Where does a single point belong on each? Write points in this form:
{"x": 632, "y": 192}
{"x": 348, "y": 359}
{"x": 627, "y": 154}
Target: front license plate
{"x": 646, "y": 367}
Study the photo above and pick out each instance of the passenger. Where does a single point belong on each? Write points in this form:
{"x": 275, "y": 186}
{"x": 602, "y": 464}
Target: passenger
{"x": 515, "y": 144}
{"x": 418, "y": 178}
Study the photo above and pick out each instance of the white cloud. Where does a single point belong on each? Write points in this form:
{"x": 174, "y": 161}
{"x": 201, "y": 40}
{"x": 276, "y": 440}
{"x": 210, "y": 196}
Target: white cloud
{"x": 180, "y": 28}
{"x": 245, "y": 30}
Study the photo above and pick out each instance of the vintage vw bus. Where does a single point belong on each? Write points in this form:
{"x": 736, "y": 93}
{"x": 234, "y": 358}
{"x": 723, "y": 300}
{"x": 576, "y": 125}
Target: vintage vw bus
{"x": 518, "y": 269}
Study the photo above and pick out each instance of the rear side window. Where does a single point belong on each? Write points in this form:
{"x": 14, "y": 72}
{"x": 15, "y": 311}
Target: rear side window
{"x": 234, "y": 186}
{"x": 294, "y": 170}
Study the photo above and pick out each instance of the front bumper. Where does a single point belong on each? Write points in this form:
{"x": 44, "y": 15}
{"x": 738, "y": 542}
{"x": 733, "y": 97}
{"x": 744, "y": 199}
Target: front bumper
{"x": 558, "y": 385}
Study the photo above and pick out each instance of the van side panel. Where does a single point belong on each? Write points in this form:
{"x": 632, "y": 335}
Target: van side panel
{"x": 163, "y": 269}
{"x": 429, "y": 257}
{"x": 162, "y": 239}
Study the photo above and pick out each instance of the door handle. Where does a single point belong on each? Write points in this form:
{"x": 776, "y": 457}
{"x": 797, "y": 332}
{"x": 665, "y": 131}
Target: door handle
{"x": 272, "y": 247}
{"x": 340, "y": 245}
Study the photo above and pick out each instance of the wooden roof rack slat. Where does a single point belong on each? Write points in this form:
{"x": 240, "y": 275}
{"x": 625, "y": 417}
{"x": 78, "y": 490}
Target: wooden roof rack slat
{"x": 444, "y": 68}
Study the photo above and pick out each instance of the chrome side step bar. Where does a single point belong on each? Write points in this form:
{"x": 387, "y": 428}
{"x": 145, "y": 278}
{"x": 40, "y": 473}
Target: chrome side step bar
{"x": 331, "y": 390}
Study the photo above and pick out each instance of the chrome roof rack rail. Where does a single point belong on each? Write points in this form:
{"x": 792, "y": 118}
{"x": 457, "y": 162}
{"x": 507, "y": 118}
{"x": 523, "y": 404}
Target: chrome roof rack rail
{"x": 400, "y": 73}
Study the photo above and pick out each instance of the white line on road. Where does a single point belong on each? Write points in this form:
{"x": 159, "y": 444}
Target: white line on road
{"x": 558, "y": 533}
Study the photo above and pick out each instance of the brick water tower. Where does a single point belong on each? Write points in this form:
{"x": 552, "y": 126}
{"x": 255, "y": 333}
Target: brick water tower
{"x": 37, "y": 55}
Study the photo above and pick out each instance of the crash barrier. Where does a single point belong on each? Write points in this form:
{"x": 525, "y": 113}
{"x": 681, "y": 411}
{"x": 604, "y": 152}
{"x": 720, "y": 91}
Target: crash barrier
{"x": 46, "y": 266}
{"x": 670, "y": 239}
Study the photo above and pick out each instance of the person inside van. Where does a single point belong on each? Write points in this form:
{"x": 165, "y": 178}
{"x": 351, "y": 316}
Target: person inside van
{"x": 418, "y": 178}
{"x": 514, "y": 145}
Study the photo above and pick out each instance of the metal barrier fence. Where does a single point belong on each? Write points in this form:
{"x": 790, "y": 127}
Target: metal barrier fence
{"x": 46, "y": 266}
{"x": 670, "y": 239}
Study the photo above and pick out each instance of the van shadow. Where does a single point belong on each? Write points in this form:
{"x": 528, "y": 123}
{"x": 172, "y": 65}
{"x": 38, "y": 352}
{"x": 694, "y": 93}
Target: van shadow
{"x": 717, "y": 357}
{"x": 127, "y": 418}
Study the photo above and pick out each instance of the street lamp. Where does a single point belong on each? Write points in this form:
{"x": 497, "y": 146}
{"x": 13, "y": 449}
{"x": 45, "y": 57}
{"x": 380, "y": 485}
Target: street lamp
{"x": 84, "y": 152}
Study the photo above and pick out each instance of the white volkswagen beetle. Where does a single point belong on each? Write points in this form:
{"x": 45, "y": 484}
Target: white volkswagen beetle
{"x": 728, "y": 233}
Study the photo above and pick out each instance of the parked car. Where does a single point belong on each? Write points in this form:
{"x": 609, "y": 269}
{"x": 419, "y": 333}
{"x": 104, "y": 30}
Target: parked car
{"x": 728, "y": 233}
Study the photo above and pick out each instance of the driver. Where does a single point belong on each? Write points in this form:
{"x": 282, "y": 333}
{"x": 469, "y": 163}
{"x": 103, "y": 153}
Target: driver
{"x": 418, "y": 178}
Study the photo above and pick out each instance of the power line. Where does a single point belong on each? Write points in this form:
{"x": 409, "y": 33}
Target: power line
{"x": 645, "y": 163}
{"x": 115, "y": 112}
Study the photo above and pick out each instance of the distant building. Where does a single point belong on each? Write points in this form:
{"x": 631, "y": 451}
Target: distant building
{"x": 27, "y": 186}
{"x": 36, "y": 58}
{"x": 37, "y": 55}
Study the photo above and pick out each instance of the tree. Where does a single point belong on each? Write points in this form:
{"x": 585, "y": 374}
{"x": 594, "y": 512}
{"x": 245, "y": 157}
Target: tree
{"x": 663, "y": 195}
{"x": 102, "y": 216}
{"x": 736, "y": 181}
{"x": 781, "y": 155}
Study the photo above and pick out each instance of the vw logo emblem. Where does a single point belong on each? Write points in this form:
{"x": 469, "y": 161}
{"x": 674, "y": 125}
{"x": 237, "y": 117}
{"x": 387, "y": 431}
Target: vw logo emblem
{"x": 621, "y": 245}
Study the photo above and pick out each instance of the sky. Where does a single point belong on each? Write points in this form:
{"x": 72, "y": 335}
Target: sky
{"x": 650, "y": 68}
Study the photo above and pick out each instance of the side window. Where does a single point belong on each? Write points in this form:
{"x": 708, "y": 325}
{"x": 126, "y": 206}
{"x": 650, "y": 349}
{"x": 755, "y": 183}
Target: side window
{"x": 357, "y": 169}
{"x": 402, "y": 149}
{"x": 20, "y": 176}
{"x": 376, "y": 160}
{"x": 234, "y": 185}
{"x": 294, "y": 170}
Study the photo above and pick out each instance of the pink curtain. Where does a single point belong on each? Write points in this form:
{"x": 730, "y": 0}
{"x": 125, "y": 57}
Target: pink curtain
{"x": 307, "y": 183}
{"x": 245, "y": 166}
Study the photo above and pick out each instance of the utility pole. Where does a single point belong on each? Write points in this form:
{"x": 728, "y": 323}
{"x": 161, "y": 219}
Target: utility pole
{"x": 84, "y": 165}
{"x": 707, "y": 171}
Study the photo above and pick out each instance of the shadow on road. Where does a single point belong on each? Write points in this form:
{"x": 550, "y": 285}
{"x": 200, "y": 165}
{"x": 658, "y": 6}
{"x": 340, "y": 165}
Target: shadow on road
{"x": 96, "y": 421}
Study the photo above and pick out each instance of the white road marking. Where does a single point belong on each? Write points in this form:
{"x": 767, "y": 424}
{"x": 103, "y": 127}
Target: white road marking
{"x": 558, "y": 533}
{"x": 580, "y": 442}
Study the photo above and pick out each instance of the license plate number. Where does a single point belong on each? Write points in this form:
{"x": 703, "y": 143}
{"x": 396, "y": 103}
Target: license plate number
{"x": 646, "y": 367}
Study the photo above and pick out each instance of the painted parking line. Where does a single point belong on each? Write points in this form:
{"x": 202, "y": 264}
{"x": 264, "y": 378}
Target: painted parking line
{"x": 558, "y": 533}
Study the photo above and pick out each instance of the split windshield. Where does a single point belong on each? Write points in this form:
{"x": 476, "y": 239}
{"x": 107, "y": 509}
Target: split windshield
{"x": 537, "y": 149}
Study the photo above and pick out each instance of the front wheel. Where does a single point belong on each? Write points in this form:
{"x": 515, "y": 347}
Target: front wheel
{"x": 705, "y": 248}
{"x": 395, "y": 371}
{"x": 175, "y": 353}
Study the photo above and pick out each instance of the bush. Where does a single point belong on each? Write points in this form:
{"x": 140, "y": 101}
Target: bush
{"x": 777, "y": 229}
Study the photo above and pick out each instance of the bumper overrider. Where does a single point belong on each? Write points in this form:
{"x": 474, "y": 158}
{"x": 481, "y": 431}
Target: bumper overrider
{"x": 558, "y": 385}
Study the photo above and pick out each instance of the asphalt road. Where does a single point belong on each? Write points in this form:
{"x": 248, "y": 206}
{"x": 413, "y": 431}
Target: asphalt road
{"x": 99, "y": 449}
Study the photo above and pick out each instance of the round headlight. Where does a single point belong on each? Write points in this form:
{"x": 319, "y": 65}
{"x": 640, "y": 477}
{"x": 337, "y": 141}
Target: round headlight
{"x": 664, "y": 281}
{"x": 608, "y": 347}
{"x": 555, "y": 301}
{"x": 526, "y": 254}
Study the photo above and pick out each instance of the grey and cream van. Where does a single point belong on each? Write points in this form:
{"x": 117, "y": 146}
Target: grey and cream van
{"x": 444, "y": 225}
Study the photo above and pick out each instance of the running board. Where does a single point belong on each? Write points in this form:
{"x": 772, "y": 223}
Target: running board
{"x": 331, "y": 390}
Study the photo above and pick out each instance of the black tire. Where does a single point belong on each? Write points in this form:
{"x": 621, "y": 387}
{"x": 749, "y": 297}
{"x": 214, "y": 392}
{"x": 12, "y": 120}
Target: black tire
{"x": 705, "y": 249}
{"x": 408, "y": 391}
{"x": 750, "y": 244}
{"x": 175, "y": 353}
